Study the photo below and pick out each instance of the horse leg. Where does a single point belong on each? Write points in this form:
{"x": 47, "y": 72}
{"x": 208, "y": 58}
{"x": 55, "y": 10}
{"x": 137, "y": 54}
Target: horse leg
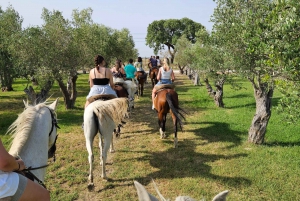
{"x": 142, "y": 89}
{"x": 175, "y": 130}
{"x": 103, "y": 153}
{"x": 161, "y": 125}
{"x": 89, "y": 147}
{"x": 112, "y": 149}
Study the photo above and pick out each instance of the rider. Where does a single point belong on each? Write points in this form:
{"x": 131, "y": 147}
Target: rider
{"x": 158, "y": 61}
{"x": 153, "y": 62}
{"x": 139, "y": 65}
{"x": 130, "y": 76}
{"x": 101, "y": 81}
{"x": 16, "y": 185}
{"x": 165, "y": 76}
{"x": 118, "y": 72}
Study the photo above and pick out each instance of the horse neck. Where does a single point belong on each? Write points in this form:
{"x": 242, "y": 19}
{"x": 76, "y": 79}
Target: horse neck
{"x": 34, "y": 151}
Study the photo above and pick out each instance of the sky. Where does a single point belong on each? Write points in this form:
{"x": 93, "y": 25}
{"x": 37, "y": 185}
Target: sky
{"x": 135, "y": 15}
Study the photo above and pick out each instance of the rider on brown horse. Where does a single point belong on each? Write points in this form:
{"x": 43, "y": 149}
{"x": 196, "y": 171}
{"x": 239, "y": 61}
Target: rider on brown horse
{"x": 165, "y": 76}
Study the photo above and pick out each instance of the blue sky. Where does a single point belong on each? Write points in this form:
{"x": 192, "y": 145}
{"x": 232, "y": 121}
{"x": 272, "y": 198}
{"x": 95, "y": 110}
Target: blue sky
{"x": 134, "y": 15}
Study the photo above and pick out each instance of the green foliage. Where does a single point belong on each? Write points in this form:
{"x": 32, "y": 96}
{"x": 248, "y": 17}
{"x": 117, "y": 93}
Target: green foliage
{"x": 10, "y": 23}
{"x": 167, "y": 32}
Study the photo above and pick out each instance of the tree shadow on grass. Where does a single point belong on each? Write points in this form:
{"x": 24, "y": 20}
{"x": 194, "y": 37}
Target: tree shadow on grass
{"x": 217, "y": 132}
{"x": 184, "y": 162}
{"x": 282, "y": 144}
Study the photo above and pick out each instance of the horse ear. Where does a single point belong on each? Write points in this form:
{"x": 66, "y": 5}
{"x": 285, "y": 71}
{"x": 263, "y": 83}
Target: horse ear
{"x": 143, "y": 193}
{"x": 25, "y": 103}
{"x": 221, "y": 196}
{"x": 54, "y": 104}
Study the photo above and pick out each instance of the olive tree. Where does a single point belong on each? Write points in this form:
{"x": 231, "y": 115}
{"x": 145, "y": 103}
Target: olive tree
{"x": 10, "y": 31}
{"x": 262, "y": 38}
{"x": 162, "y": 33}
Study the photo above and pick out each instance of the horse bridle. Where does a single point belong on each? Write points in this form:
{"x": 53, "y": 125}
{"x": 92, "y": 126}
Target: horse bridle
{"x": 27, "y": 171}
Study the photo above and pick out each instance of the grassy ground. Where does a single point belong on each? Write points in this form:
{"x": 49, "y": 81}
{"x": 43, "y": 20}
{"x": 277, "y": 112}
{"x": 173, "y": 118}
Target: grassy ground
{"x": 213, "y": 153}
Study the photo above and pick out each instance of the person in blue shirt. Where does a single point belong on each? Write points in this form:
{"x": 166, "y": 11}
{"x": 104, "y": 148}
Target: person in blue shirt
{"x": 130, "y": 72}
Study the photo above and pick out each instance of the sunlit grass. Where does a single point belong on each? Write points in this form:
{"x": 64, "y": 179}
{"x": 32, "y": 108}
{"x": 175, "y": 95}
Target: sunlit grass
{"x": 213, "y": 153}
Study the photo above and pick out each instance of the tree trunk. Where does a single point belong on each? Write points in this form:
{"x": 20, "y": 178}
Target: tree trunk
{"x": 218, "y": 95}
{"x": 209, "y": 89}
{"x": 181, "y": 69}
{"x": 6, "y": 81}
{"x": 196, "y": 79}
{"x": 172, "y": 54}
{"x": 263, "y": 96}
{"x": 69, "y": 98}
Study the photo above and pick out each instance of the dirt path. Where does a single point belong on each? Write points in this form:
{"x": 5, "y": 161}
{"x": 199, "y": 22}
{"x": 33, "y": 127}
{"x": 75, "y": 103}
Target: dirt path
{"x": 137, "y": 155}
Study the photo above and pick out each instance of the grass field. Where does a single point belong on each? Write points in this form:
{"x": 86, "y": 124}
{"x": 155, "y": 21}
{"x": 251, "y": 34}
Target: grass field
{"x": 213, "y": 153}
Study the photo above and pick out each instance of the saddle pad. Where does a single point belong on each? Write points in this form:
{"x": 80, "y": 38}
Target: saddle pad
{"x": 101, "y": 96}
{"x": 164, "y": 86}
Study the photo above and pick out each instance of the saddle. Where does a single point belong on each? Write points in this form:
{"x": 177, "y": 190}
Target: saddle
{"x": 101, "y": 97}
{"x": 118, "y": 81}
{"x": 164, "y": 86}
{"x": 143, "y": 75}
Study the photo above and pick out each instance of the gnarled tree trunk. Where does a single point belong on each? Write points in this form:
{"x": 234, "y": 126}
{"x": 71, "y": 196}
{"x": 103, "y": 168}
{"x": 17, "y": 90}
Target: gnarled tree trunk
{"x": 69, "y": 93}
{"x": 263, "y": 96}
{"x": 218, "y": 96}
{"x": 181, "y": 68}
{"x": 209, "y": 89}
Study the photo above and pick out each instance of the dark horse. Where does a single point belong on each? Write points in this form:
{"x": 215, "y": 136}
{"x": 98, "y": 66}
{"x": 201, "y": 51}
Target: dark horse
{"x": 166, "y": 101}
{"x": 141, "y": 77}
{"x": 121, "y": 92}
{"x": 153, "y": 74}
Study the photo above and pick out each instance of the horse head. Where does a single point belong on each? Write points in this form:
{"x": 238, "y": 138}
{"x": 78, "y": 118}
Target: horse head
{"x": 144, "y": 195}
{"x": 34, "y": 135}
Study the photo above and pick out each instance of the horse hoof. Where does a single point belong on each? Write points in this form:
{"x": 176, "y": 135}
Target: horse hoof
{"x": 91, "y": 186}
{"x": 112, "y": 151}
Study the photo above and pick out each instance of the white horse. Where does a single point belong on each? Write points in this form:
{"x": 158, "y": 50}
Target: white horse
{"x": 34, "y": 136}
{"x": 102, "y": 116}
{"x": 132, "y": 89}
{"x": 145, "y": 196}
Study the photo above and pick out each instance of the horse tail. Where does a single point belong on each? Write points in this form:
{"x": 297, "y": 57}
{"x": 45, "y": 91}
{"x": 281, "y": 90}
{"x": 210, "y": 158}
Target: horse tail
{"x": 177, "y": 111}
{"x": 115, "y": 109}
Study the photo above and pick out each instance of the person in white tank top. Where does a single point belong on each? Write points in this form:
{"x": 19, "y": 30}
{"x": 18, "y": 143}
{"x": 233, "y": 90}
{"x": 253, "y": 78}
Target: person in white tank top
{"x": 165, "y": 76}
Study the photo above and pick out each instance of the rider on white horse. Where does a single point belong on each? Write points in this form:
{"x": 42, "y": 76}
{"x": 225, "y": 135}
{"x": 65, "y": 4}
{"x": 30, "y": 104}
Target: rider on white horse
{"x": 101, "y": 81}
{"x": 130, "y": 79}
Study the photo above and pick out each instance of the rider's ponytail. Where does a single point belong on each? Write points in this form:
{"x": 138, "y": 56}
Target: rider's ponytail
{"x": 98, "y": 60}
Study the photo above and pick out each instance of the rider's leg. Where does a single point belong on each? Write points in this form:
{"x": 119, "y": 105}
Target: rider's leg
{"x": 153, "y": 95}
{"x": 86, "y": 104}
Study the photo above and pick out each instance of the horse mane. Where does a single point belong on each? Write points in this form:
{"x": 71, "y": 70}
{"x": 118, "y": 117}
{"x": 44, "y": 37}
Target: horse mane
{"x": 20, "y": 129}
{"x": 115, "y": 108}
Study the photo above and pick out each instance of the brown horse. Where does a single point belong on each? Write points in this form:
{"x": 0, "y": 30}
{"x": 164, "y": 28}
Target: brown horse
{"x": 141, "y": 77}
{"x": 153, "y": 74}
{"x": 166, "y": 101}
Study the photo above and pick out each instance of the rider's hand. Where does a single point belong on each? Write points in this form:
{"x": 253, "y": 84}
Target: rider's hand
{"x": 22, "y": 164}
